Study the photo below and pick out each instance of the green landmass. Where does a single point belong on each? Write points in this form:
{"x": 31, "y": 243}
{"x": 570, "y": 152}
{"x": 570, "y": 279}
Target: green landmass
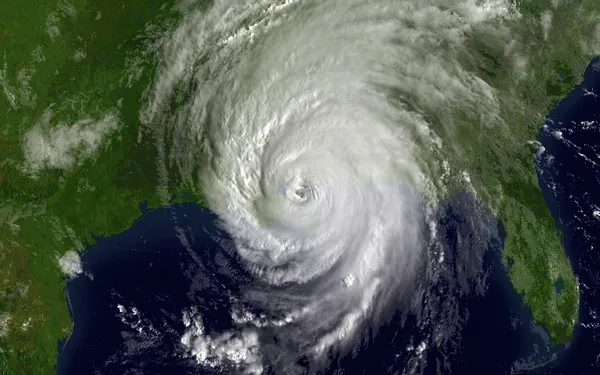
{"x": 500, "y": 159}
{"x": 81, "y": 58}
{"x": 84, "y": 58}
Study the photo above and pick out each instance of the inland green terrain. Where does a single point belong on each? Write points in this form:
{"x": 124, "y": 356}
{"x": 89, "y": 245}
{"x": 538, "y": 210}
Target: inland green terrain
{"x": 74, "y": 167}
{"x": 71, "y": 171}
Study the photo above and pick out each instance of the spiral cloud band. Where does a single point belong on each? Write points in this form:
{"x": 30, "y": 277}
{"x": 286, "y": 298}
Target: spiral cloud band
{"x": 306, "y": 125}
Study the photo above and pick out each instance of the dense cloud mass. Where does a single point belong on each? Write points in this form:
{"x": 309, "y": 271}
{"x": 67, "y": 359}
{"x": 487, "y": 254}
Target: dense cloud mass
{"x": 306, "y": 125}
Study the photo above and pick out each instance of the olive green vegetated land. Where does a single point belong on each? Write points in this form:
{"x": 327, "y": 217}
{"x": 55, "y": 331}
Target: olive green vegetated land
{"x": 84, "y": 58}
{"x": 533, "y": 246}
{"x": 77, "y": 60}
{"x": 500, "y": 160}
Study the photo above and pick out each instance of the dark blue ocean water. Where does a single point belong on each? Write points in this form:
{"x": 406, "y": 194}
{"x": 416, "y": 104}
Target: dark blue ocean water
{"x": 147, "y": 268}
{"x": 128, "y": 306}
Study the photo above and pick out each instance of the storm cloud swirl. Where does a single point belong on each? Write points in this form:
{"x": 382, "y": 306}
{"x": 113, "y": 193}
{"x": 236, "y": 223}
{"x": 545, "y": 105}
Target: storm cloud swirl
{"x": 305, "y": 124}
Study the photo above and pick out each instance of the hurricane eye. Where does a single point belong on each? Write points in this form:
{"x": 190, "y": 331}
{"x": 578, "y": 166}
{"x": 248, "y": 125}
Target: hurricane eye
{"x": 303, "y": 193}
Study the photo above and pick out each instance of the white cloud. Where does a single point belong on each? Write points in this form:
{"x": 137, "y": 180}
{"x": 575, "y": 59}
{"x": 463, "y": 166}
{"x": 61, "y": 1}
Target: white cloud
{"x": 52, "y": 25}
{"x": 595, "y": 47}
{"x": 5, "y": 319}
{"x": 64, "y": 10}
{"x": 70, "y": 264}
{"x": 61, "y": 146}
{"x": 546, "y": 23}
{"x": 79, "y": 55}
{"x": 236, "y": 348}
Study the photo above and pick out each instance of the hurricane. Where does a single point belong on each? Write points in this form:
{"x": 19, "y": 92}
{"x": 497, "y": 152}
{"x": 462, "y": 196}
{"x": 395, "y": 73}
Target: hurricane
{"x": 316, "y": 131}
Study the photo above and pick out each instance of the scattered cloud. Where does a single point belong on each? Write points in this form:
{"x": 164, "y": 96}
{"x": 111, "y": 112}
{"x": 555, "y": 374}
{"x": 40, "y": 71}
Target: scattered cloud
{"x": 546, "y": 21}
{"x": 239, "y": 349}
{"x": 62, "y": 146}
{"x": 64, "y": 10}
{"x": 5, "y": 319}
